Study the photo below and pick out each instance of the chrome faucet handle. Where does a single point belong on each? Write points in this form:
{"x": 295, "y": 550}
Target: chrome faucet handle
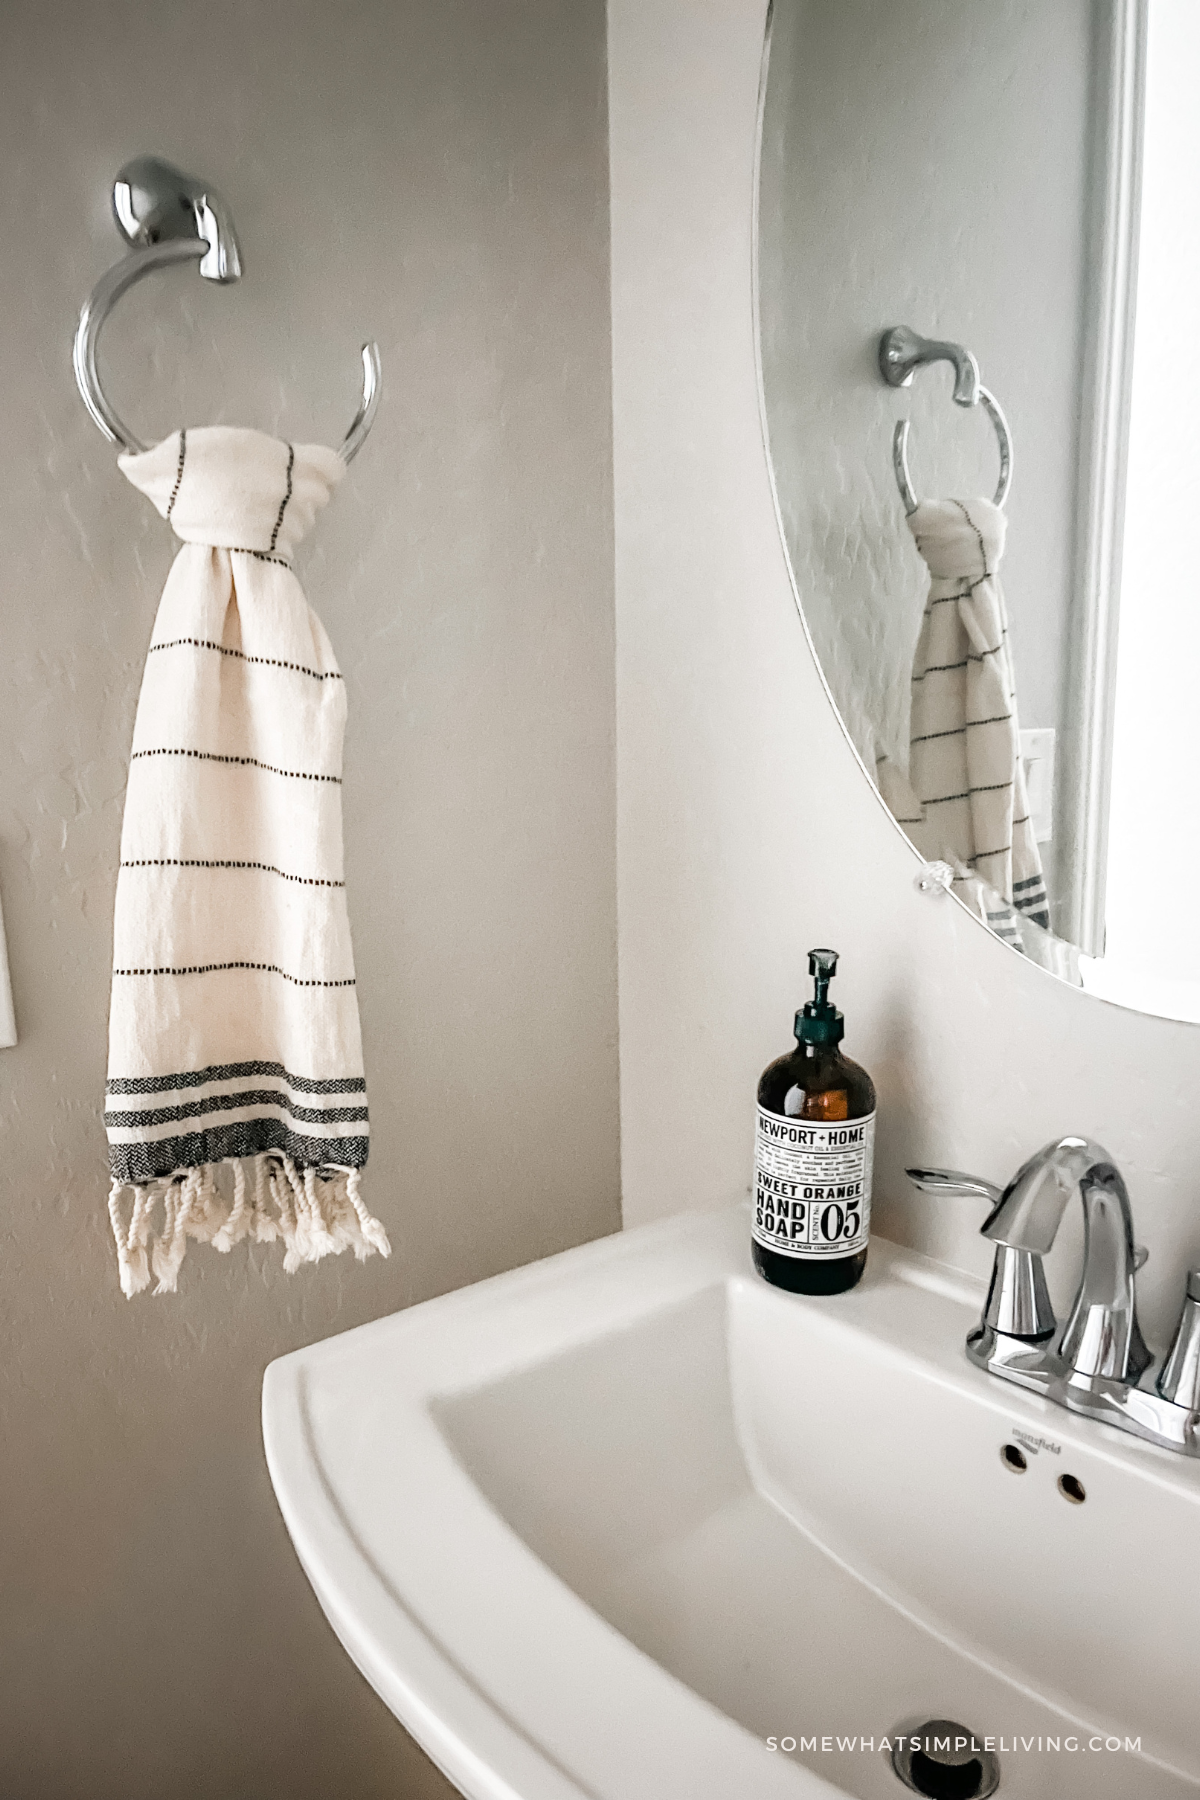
{"x": 1018, "y": 1303}
{"x": 952, "y": 1182}
{"x": 1179, "y": 1377}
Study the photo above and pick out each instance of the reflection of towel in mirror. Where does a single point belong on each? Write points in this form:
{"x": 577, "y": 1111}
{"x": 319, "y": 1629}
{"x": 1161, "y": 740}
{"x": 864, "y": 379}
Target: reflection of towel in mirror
{"x": 997, "y": 913}
{"x": 964, "y": 742}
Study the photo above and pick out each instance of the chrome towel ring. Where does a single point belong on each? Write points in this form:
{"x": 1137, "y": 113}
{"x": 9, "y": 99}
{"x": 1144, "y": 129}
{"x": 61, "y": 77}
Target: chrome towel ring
{"x": 170, "y": 217}
{"x": 901, "y": 352}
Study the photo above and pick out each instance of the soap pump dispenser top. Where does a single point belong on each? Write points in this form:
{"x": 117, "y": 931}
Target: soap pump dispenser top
{"x": 813, "y": 1150}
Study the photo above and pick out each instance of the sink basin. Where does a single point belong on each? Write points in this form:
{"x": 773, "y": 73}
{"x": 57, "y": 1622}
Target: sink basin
{"x": 630, "y": 1524}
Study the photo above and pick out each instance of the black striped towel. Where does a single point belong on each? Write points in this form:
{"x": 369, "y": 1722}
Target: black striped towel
{"x": 236, "y": 1100}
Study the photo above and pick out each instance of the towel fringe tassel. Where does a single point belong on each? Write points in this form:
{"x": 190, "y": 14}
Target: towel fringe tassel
{"x": 316, "y": 1213}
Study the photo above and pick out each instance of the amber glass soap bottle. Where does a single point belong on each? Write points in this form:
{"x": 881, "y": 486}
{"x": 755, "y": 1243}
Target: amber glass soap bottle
{"x": 813, "y": 1146}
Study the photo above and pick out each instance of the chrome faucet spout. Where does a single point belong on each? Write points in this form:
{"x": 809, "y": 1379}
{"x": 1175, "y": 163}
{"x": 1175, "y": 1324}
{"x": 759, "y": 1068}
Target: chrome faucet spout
{"x": 1102, "y": 1336}
{"x": 1029, "y": 1211}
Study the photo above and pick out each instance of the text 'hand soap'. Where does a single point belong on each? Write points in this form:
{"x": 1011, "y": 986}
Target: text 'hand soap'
{"x": 813, "y": 1148}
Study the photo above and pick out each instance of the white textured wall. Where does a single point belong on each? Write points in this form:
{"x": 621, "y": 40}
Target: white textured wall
{"x": 926, "y": 165}
{"x": 746, "y": 829}
{"x": 431, "y": 172}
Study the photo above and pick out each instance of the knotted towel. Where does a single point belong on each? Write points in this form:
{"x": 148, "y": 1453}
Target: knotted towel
{"x": 235, "y": 1094}
{"x": 965, "y": 766}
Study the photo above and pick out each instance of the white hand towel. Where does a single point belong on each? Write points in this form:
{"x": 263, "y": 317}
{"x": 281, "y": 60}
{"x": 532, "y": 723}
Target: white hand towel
{"x": 236, "y": 1095}
{"x": 964, "y": 747}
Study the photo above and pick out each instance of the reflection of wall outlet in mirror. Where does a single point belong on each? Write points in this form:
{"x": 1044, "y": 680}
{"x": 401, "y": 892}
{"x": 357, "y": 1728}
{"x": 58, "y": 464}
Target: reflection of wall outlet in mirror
{"x": 8, "y": 1018}
{"x": 1037, "y": 754}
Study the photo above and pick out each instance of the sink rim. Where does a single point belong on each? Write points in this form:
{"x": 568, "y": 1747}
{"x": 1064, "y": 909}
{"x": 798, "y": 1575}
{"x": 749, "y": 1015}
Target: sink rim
{"x": 404, "y": 1641}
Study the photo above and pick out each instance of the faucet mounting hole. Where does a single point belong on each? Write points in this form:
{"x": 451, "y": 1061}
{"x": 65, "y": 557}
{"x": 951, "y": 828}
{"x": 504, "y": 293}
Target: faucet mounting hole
{"x": 1014, "y": 1459}
{"x": 1072, "y": 1489}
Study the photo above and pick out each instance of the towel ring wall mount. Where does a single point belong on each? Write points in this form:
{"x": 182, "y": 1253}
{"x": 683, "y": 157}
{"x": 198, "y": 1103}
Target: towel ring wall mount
{"x": 169, "y": 217}
{"x": 902, "y": 352}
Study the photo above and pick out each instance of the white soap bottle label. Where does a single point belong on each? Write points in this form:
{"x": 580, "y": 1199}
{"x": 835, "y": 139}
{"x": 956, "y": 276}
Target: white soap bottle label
{"x": 812, "y": 1186}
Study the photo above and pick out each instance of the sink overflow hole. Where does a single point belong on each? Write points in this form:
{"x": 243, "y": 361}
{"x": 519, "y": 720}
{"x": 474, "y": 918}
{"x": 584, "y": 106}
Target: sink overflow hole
{"x": 1014, "y": 1459}
{"x": 1072, "y": 1489}
{"x": 945, "y": 1761}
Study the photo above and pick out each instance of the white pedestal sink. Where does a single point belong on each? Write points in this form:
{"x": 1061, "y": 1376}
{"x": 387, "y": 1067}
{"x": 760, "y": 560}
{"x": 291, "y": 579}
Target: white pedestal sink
{"x": 614, "y": 1524}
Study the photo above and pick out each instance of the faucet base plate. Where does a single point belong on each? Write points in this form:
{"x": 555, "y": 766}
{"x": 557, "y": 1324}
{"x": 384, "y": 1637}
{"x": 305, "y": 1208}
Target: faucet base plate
{"x": 1136, "y": 1409}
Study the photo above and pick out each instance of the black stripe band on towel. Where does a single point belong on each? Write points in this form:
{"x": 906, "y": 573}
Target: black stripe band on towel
{"x": 281, "y": 562}
{"x": 166, "y": 1084}
{"x": 971, "y": 656}
{"x": 217, "y": 968}
{"x": 147, "y": 1117}
{"x": 959, "y": 730}
{"x": 283, "y": 504}
{"x": 202, "y": 862}
{"x": 994, "y": 787}
{"x": 268, "y": 662}
{"x": 178, "y": 475}
{"x": 248, "y": 762}
{"x": 252, "y": 1137}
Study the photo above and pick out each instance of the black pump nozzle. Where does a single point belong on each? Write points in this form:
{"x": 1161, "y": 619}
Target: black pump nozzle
{"x": 821, "y": 1022}
{"x": 822, "y": 966}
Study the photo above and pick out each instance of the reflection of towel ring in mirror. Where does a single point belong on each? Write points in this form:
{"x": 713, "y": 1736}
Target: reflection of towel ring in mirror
{"x": 168, "y": 217}
{"x": 900, "y": 452}
{"x": 901, "y": 353}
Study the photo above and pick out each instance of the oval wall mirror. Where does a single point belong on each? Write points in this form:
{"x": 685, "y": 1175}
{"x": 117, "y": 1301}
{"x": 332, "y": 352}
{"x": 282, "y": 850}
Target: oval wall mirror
{"x": 1014, "y": 184}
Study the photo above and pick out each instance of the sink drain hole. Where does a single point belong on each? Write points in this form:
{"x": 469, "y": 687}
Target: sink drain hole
{"x": 934, "y": 1778}
{"x": 1014, "y": 1459}
{"x": 945, "y": 1761}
